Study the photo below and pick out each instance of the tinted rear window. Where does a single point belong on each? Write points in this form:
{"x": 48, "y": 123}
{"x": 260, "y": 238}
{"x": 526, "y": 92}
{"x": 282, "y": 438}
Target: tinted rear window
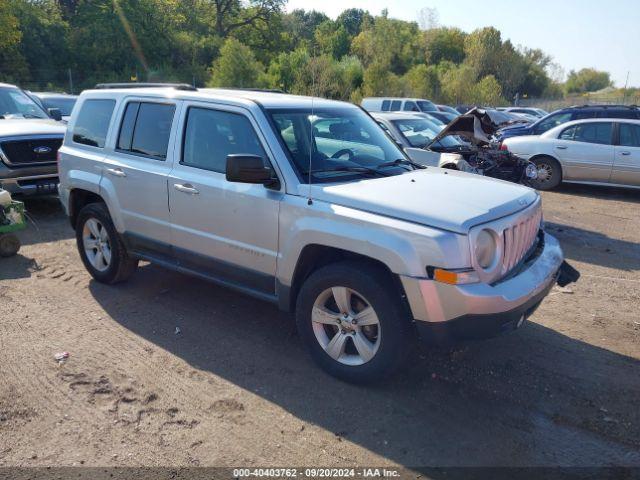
{"x": 385, "y": 105}
{"x": 92, "y": 124}
{"x": 396, "y": 105}
{"x": 146, "y": 128}
{"x": 622, "y": 113}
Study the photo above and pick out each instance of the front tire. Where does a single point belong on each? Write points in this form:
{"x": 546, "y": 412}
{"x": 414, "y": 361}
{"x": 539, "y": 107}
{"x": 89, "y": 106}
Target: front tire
{"x": 549, "y": 173}
{"x": 100, "y": 246}
{"x": 352, "y": 321}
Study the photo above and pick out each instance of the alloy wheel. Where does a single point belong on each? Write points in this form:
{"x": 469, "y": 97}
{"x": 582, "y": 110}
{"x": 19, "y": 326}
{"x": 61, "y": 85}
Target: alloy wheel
{"x": 97, "y": 244}
{"x": 346, "y": 326}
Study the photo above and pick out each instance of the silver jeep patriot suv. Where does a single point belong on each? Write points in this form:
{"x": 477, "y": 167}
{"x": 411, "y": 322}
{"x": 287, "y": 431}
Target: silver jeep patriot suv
{"x": 306, "y": 203}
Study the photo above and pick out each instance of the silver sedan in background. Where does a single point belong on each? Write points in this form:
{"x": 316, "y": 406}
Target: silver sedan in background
{"x": 599, "y": 151}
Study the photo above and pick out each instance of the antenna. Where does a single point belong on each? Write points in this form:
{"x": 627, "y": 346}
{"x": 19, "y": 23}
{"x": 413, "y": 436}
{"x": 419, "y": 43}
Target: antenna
{"x": 313, "y": 88}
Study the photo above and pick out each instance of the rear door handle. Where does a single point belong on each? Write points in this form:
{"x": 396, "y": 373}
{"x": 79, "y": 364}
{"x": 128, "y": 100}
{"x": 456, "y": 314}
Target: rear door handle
{"x": 186, "y": 188}
{"x": 561, "y": 147}
{"x": 625, "y": 153}
{"x": 116, "y": 172}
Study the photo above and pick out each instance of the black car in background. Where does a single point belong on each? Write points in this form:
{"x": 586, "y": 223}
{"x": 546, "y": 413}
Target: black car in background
{"x": 568, "y": 114}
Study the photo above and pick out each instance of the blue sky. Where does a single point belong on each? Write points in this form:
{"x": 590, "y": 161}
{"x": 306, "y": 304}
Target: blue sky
{"x": 577, "y": 33}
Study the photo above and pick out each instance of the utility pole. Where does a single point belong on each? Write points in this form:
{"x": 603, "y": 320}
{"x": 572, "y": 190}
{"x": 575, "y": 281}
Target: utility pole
{"x": 70, "y": 82}
{"x": 626, "y": 84}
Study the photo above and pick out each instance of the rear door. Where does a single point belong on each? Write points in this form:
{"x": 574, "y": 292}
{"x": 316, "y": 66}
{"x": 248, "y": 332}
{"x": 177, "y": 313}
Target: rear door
{"x": 586, "y": 151}
{"x": 626, "y": 165}
{"x": 136, "y": 171}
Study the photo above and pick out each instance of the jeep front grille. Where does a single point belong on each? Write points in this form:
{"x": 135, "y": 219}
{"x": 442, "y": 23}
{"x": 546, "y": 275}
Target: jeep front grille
{"x": 23, "y": 152}
{"x": 519, "y": 239}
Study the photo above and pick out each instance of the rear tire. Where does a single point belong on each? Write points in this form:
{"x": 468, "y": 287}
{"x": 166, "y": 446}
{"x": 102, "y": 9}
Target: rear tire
{"x": 100, "y": 246}
{"x": 549, "y": 173}
{"x": 9, "y": 245}
{"x": 375, "y": 337}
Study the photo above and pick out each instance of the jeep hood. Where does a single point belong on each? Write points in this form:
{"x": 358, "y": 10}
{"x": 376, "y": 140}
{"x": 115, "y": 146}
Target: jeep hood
{"x": 444, "y": 199}
{"x": 18, "y": 126}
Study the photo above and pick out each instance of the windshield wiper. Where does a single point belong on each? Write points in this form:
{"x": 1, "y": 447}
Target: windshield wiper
{"x": 345, "y": 168}
{"x": 401, "y": 161}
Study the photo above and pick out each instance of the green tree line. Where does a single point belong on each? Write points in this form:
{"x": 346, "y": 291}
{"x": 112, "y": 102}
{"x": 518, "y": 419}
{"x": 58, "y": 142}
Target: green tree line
{"x": 255, "y": 43}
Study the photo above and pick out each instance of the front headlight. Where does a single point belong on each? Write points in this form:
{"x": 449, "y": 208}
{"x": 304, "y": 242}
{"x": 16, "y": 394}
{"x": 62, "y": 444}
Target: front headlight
{"x": 486, "y": 249}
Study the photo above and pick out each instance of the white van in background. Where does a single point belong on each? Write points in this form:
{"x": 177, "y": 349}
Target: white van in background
{"x": 390, "y": 104}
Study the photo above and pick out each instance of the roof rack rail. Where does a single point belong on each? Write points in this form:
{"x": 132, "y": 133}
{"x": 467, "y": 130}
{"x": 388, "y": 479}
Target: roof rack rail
{"x": 265, "y": 90}
{"x": 176, "y": 86}
{"x": 603, "y": 105}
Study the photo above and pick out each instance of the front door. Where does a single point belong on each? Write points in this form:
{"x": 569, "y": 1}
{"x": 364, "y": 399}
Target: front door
{"x": 626, "y": 165}
{"x": 586, "y": 151}
{"x": 227, "y": 231}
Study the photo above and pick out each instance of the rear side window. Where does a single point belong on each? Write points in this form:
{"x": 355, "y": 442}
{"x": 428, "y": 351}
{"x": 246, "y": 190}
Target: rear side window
{"x": 146, "y": 128}
{"x": 93, "y": 120}
{"x": 411, "y": 107}
{"x": 385, "y": 105}
{"x": 629, "y": 135}
{"x": 594, "y": 133}
{"x": 211, "y": 135}
{"x": 622, "y": 113}
{"x": 396, "y": 105}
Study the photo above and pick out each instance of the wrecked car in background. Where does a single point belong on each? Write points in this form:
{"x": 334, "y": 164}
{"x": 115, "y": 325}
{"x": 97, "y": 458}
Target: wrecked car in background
{"x": 466, "y": 144}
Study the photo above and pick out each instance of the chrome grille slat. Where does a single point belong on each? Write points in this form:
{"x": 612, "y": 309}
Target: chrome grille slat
{"x": 518, "y": 239}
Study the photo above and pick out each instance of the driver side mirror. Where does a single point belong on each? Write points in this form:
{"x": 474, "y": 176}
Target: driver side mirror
{"x": 55, "y": 113}
{"x": 246, "y": 168}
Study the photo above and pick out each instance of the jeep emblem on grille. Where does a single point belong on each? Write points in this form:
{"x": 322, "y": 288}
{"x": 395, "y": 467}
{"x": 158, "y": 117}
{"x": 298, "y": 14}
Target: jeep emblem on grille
{"x": 42, "y": 150}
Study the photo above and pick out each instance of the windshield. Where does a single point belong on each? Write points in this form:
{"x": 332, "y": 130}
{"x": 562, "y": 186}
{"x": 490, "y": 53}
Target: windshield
{"x": 15, "y": 104}
{"x": 427, "y": 106}
{"x": 333, "y": 141}
{"x": 65, "y": 105}
{"x": 419, "y": 133}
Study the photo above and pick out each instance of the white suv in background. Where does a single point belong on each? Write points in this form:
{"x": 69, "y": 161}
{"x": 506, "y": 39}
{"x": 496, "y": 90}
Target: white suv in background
{"x": 308, "y": 204}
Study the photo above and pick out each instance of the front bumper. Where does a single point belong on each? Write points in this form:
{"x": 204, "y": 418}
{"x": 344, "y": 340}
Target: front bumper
{"x": 446, "y": 312}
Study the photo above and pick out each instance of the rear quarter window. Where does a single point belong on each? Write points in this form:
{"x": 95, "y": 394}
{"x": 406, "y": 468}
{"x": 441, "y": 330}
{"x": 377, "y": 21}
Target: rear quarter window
{"x": 92, "y": 124}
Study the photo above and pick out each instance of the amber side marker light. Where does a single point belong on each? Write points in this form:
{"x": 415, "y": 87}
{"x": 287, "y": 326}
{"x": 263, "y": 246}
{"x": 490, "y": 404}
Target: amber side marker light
{"x": 455, "y": 277}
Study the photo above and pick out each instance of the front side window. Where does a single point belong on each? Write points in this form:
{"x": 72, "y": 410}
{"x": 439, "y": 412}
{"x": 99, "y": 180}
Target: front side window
{"x": 552, "y": 121}
{"x": 593, "y": 133}
{"x": 629, "y": 135}
{"x": 331, "y": 141}
{"x": 211, "y": 135}
{"x": 16, "y": 104}
{"x": 93, "y": 121}
{"x": 568, "y": 133}
{"x": 146, "y": 128}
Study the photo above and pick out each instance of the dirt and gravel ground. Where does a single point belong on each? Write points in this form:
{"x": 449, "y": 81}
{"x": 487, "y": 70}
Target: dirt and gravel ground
{"x": 235, "y": 388}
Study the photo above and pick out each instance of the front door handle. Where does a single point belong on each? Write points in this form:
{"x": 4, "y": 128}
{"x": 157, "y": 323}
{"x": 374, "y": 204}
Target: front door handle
{"x": 625, "y": 153}
{"x": 186, "y": 188}
{"x": 561, "y": 147}
{"x": 116, "y": 172}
